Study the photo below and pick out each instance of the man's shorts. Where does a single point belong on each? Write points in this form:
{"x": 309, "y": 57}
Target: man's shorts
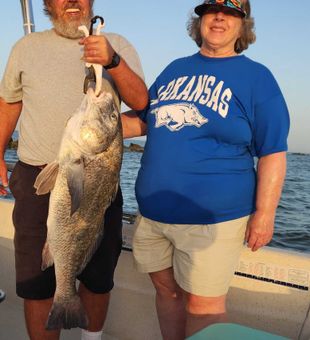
{"x": 203, "y": 257}
{"x": 29, "y": 218}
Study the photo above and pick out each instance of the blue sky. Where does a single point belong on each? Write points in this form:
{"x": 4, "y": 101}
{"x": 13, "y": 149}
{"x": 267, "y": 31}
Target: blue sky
{"x": 158, "y": 31}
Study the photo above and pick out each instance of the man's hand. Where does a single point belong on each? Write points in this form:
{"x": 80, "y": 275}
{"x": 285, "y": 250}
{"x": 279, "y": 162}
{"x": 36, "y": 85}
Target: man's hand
{"x": 3, "y": 178}
{"x": 131, "y": 88}
{"x": 97, "y": 50}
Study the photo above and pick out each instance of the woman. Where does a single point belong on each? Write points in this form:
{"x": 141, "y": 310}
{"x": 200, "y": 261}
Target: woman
{"x": 198, "y": 192}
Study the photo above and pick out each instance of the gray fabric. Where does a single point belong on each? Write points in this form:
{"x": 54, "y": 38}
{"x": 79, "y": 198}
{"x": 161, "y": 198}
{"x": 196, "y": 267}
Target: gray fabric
{"x": 46, "y": 72}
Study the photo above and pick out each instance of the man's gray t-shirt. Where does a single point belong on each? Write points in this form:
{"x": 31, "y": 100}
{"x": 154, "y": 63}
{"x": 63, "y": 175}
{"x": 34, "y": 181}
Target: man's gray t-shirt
{"x": 46, "y": 73}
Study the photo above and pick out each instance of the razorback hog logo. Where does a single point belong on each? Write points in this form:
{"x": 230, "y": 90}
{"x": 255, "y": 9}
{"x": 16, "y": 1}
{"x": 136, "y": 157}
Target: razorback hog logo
{"x": 176, "y": 116}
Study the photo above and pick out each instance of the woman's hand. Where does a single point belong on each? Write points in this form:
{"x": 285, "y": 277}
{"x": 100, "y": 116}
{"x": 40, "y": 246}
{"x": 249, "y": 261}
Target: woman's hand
{"x": 259, "y": 230}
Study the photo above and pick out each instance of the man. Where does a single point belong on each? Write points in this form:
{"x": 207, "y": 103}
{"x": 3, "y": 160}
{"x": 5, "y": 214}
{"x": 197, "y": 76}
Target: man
{"x": 44, "y": 80}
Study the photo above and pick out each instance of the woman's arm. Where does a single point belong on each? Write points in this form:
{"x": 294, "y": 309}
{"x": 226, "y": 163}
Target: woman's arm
{"x": 271, "y": 170}
{"x": 133, "y": 126}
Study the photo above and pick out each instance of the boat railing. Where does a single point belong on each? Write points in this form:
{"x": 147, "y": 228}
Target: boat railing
{"x": 10, "y": 166}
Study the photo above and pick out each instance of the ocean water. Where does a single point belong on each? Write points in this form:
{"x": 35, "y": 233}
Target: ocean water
{"x": 292, "y": 227}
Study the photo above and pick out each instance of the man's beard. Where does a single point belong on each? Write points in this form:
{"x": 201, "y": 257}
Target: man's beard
{"x": 69, "y": 29}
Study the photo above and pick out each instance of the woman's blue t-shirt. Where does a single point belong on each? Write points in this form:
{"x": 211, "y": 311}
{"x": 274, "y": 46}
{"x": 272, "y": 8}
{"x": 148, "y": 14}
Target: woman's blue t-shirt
{"x": 206, "y": 121}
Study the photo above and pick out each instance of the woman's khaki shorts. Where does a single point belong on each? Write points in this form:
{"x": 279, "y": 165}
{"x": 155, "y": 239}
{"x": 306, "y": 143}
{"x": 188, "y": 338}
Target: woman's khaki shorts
{"x": 203, "y": 257}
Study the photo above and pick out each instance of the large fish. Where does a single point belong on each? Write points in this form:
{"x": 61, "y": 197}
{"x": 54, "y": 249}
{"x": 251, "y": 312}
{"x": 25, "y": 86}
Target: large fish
{"x": 83, "y": 181}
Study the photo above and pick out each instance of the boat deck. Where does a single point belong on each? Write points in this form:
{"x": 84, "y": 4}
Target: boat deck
{"x": 270, "y": 292}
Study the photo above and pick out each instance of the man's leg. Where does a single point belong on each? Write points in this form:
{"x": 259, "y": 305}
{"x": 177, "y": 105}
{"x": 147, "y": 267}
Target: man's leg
{"x": 36, "y": 314}
{"x": 33, "y": 285}
{"x": 96, "y": 306}
{"x": 204, "y": 311}
{"x": 96, "y": 280}
{"x": 170, "y": 305}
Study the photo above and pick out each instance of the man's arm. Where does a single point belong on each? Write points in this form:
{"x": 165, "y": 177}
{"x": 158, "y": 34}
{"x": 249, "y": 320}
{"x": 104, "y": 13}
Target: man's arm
{"x": 9, "y": 114}
{"x": 131, "y": 87}
{"x": 132, "y": 125}
{"x": 271, "y": 171}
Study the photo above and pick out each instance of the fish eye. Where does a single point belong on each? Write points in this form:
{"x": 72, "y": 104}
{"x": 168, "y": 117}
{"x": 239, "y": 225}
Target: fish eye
{"x": 113, "y": 116}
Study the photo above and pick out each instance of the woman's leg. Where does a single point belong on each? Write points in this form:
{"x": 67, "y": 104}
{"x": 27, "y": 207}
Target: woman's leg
{"x": 170, "y": 305}
{"x": 203, "y": 311}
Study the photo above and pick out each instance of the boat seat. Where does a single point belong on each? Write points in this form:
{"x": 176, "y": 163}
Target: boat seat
{"x": 229, "y": 331}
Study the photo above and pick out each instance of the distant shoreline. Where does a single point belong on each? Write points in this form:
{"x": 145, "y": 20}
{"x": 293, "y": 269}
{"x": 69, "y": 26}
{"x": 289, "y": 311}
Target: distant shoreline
{"x": 132, "y": 147}
{"x": 12, "y": 144}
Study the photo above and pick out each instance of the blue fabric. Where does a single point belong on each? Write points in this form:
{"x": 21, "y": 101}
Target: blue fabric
{"x": 228, "y": 331}
{"x": 206, "y": 120}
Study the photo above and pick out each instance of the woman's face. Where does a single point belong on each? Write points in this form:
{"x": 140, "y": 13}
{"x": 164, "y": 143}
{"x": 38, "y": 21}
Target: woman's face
{"x": 219, "y": 32}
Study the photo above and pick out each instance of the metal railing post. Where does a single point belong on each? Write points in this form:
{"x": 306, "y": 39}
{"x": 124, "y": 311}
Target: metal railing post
{"x": 27, "y": 12}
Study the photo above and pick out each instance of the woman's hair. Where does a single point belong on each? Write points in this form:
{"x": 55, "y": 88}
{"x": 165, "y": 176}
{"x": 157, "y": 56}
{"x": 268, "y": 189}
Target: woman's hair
{"x": 47, "y": 2}
{"x": 247, "y": 35}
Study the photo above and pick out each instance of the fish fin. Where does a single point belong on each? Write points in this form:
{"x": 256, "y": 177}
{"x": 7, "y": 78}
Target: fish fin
{"x": 115, "y": 192}
{"x": 47, "y": 257}
{"x": 75, "y": 180}
{"x": 67, "y": 314}
{"x": 46, "y": 179}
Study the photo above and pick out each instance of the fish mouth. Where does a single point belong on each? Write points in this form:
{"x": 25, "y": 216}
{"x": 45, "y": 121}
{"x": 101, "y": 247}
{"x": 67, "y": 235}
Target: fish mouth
{"x": 97, "y": 99}
{"x": 91, "y": 94}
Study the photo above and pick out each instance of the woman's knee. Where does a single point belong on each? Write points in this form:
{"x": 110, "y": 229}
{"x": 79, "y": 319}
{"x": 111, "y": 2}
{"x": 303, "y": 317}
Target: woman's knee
{"x": 165, "y": 284}
{"x": 201, "y": 305}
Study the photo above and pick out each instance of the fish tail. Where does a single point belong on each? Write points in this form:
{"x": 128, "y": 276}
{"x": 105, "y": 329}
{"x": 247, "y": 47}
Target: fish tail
{"x": 67, "y": 314}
